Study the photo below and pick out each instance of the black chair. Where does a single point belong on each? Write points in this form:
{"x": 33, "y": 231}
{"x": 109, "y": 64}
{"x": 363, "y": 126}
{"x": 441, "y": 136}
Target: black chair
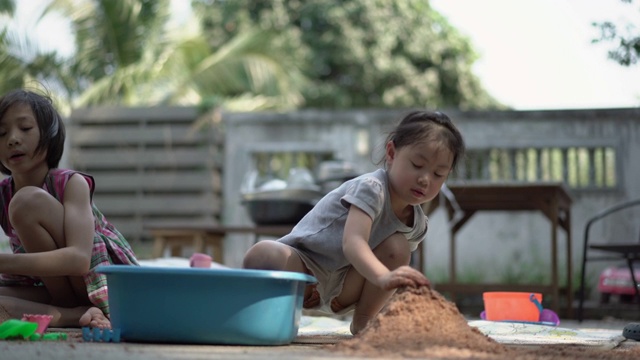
{"x": 629, "y": 251}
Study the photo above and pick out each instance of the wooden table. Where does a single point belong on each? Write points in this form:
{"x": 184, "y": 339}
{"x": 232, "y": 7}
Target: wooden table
{"x": 551, "y": 199}
{"x": 200, "y": 237}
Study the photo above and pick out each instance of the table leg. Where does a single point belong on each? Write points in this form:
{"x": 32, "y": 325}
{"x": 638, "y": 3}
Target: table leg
{"x": 218, "y": 249}
{"x": 176, "y": 249}
{"x": 159, "y": 244}
{"x": 420, "y": 250}
{"x": 569, "y": 266}
{"x": 452, "y": 265}
{"x": 454, "y": 227}
{"x": 555, "y": 303}
{"x": 198, "y": 243}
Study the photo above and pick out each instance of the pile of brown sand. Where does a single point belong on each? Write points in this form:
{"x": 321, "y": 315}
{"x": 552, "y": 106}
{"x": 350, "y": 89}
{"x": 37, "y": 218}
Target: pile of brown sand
{"x": 421, "y": 323}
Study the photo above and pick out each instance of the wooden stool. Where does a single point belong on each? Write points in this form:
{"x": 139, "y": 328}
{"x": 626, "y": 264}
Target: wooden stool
{"x": 199, "y": 240}
{"x": 200, "y": 237}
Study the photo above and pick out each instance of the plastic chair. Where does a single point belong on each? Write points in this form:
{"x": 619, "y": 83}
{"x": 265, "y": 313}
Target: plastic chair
{"x": 628, "y": 251}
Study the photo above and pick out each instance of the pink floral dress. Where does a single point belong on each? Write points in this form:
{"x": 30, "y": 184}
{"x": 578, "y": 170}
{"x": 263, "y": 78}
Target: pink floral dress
{"x": 109, "y": 246}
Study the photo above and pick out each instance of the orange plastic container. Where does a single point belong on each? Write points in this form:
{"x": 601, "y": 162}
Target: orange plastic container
{"x": 514, "y": 306}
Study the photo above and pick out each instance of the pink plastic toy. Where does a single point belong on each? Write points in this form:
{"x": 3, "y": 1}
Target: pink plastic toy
{"x": 200, "y": 260}
{"x": 41, "y": 320}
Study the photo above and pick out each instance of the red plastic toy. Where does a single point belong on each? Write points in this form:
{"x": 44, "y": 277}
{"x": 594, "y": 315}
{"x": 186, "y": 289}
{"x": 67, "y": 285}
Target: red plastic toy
{"x": 617, "y": 281}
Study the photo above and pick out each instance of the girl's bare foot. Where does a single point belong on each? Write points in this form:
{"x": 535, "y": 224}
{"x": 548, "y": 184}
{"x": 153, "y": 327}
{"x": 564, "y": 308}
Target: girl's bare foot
{"x": 95, "y": 318}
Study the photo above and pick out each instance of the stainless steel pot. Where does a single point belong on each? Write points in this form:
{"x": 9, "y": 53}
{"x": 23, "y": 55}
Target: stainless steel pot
{"x": 280, "y": 207}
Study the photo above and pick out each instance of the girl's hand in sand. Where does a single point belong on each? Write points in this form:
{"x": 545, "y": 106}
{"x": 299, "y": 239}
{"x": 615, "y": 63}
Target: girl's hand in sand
{"x": 403, "y": 276}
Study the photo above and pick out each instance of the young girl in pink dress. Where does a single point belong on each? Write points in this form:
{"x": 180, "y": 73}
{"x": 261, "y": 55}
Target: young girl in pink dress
{"x": 56, "y": 233}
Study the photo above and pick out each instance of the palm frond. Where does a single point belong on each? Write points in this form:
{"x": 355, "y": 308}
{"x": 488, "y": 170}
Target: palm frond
{"x": 245, "y": 65}
{"x": 7, "y": 7}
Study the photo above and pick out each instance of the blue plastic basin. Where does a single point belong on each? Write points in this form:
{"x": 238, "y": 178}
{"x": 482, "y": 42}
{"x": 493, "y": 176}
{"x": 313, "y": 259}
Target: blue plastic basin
{"x": 205, "y": 306}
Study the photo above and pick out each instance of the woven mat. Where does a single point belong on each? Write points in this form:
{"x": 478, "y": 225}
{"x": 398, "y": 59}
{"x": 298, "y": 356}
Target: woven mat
{"x": 534, "y": 334}
{"x": 319, "y": 329}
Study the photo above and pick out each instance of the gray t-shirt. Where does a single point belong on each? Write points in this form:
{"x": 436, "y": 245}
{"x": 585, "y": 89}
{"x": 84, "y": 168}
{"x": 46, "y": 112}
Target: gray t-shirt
{"x": 319, "y": 233}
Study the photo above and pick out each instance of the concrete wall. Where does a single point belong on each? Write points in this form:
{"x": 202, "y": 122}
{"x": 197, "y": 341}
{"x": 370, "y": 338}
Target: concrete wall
{"x": 491, "y": 245}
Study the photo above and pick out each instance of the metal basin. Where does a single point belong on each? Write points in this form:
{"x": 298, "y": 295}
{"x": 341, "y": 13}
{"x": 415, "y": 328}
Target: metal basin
{"x": 280, "y": 207}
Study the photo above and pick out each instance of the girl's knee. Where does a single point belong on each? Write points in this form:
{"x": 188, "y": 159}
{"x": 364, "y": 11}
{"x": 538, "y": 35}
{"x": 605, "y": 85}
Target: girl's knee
{"x": 38, "y": 219}
{"x": 25, "y": 202}
{"x": 394, "y": 251}
{"x": 29, "y": 205}
{"x": 266, "y": 255}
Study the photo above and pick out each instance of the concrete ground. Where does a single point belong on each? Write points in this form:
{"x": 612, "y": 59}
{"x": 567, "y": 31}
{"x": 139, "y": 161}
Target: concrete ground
{"x": 21, "y": 350}
{"x": 11, "y": 350}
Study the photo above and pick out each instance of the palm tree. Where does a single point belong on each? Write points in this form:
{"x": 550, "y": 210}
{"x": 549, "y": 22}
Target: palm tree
{"x": 22, "y": 63}
{"x": 126, "y": 54}
{"x": 7, "y": 6}
{"x": 12, "y": 68}
{"x": 111, "y": 38}
{"x": 244, "y": 74}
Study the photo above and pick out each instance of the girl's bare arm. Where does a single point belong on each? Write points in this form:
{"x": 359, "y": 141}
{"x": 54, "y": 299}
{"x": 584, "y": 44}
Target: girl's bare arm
{"x": 355, "y": 244}
{"x": 79, "y": 225}
{"x": 356, "y": 249}
{"x": 73, "y": 257}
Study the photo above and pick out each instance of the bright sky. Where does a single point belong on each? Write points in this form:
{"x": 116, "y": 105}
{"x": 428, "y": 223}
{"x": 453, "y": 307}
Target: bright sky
{"x": 537, "y": 54}
{"x": 534, "y": 54}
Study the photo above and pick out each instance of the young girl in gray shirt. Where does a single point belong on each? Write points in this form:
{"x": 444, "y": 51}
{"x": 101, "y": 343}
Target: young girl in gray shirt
{"x": 357, "y": 240}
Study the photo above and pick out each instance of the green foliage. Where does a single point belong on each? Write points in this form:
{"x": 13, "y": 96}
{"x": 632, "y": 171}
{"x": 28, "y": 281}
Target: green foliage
{"x": 245, "y": 72}
{"x": 472, "y": 274}
{"x": 22, "y": 64}
{"x": 7, "y": 6}
{"x": 114, "y": 42}
{"x": 361, "y": 53}
{"x": 530, "y": 271}
{"x": 247, "y": 55}
{"x": 11, "y": 67}
{"x": 127, "y": 54}
{"x": 625, "y": 39}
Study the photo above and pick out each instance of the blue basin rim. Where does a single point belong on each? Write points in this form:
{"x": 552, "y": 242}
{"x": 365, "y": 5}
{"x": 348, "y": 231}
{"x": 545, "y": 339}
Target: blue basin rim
{"x": 217, "y": 273}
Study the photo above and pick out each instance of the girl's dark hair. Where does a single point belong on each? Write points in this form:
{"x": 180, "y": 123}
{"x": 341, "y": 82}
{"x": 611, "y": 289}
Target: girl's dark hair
{"x": 428, "y": 126}
{"x": 50, "y": 124}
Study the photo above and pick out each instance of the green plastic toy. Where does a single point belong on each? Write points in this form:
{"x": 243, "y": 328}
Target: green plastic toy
{"x": 54, "y": 336}
{"x": 16, "y": 329}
